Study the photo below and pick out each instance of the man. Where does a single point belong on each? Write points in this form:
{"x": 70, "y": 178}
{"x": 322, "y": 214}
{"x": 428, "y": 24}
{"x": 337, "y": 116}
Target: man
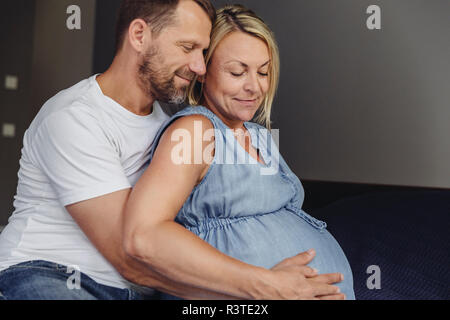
{"x": 83, "y": 153}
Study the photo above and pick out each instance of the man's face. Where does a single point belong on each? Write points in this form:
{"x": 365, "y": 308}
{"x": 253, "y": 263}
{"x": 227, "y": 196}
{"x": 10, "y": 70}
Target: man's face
{"x": 175, "y": 56}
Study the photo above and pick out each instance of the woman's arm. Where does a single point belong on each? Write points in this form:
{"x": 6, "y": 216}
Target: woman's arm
{"x": 152, "y": 237}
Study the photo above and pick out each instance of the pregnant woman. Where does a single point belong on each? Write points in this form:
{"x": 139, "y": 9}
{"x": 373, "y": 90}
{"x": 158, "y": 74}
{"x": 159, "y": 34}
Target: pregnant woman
{"x": 230, "y": 186}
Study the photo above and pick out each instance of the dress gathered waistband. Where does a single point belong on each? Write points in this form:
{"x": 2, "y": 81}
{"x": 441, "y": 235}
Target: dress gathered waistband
{"x": 220, "y": 223}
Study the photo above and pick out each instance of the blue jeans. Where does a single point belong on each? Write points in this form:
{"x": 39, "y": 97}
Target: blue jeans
{"x": 42, "y": 280}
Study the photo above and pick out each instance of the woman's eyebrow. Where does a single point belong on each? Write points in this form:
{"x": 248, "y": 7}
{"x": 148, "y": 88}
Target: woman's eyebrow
{"x": 265, "y": 64}
{"x": 236, "y": 61}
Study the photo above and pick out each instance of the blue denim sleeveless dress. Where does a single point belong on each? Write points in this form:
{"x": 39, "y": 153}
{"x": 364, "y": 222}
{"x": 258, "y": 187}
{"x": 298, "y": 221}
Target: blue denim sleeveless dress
{"x": 254, "y": 213}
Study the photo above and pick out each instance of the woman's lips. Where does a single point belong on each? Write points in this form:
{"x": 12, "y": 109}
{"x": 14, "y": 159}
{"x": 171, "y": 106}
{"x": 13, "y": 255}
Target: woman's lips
{"x": 247, "y": 102}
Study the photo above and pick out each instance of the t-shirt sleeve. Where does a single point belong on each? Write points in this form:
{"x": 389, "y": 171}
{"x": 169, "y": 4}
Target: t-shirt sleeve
{"x": 74, "y": 152}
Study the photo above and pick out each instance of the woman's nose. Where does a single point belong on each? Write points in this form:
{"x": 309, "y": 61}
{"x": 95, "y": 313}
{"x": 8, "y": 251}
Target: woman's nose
{"x": 251, "y": 84}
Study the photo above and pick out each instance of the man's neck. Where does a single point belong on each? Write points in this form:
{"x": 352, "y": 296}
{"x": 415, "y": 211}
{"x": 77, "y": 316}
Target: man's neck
{"x": 120, "y": 83}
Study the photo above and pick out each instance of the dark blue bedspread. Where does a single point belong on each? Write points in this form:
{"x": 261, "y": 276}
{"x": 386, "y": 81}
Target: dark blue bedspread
{"x": 405, "y": 234}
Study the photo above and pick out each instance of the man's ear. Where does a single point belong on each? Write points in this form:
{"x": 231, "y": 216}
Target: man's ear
{"x": 139, "y": 35}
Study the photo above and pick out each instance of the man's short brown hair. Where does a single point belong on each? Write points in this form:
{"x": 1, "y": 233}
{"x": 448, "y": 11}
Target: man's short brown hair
{"x": 157, "y": 13}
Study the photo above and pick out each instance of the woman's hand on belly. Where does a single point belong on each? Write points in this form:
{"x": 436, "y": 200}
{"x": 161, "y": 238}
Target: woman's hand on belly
{"x": 300, "y": 282}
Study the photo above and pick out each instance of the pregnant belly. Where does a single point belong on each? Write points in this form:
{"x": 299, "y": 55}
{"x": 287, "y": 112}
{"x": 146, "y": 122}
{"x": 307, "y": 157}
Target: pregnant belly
{"x": 266, "y": 240}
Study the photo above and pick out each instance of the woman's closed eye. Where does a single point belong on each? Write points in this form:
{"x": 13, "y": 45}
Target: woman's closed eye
{"x": 239, "y": 74}
{"x": 263, "y": 71}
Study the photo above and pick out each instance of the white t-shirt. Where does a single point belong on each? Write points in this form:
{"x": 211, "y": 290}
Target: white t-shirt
{"x": 80, "y": 146}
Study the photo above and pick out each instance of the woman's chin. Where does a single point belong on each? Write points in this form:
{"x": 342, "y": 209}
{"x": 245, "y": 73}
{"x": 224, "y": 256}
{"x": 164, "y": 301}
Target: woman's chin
{"x": 247, "y": 115}
{"x": 247, "y": 118}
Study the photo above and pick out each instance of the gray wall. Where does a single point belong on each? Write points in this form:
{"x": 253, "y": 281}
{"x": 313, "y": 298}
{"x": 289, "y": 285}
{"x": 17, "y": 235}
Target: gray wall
{"x": 16, "y": 37}
{"x": 105, "y": 26}
{"x": 363, "y": 106}
{"x": 47, "y": 57}
{"x": 61, "y": 57}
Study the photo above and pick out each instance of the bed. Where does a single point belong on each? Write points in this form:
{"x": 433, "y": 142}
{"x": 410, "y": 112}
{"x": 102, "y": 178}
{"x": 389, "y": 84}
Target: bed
{"x": 403, "y": 235}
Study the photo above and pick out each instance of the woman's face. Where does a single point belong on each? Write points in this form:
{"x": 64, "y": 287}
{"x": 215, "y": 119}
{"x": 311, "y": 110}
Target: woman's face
{"x": 237, "y": 78}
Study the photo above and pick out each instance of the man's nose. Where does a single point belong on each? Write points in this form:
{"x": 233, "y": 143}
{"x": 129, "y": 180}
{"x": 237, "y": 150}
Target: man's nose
{"x": 198, "y": 65}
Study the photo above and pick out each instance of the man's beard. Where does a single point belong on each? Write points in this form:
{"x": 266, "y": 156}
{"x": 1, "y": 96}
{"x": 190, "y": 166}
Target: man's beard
{"x": 158, "y": 82}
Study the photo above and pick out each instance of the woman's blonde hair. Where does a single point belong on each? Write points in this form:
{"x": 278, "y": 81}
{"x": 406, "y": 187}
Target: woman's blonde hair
{"x": 234, "y": 18}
